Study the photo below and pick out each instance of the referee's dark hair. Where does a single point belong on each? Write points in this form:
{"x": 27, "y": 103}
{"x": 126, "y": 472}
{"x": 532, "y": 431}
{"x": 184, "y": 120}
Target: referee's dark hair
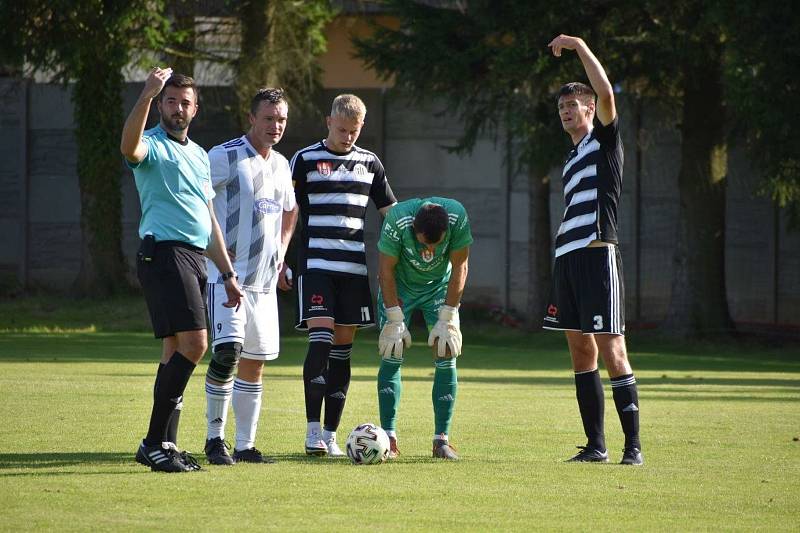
{"x": 180, "y": 81}
{"x": 431, "y": 221}
{"x": 267, "y": 94}
{"x": 584, "y": 93}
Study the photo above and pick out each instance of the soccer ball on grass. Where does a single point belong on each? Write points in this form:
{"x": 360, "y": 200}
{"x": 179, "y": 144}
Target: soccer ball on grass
{"x": 367, "y": 445}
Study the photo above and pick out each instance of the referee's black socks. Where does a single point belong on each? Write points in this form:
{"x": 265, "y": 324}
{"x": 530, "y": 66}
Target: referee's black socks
{"x": 626, "y": 398}
{"x": 171, "y": 381}
{"x": 174, "y": 420}
{"x": 589, "y": 391}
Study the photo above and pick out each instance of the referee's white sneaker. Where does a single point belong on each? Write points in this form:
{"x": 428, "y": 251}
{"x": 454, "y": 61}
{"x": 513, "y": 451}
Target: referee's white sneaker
{"x": 315, "y": 445}
{"x": 330, "y": 442}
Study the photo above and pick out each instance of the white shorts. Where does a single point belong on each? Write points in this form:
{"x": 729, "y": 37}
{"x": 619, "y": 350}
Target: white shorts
{"x": 254, "y": 325}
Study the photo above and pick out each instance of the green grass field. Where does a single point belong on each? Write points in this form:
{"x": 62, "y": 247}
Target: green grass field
{"x": 720, "y": 424}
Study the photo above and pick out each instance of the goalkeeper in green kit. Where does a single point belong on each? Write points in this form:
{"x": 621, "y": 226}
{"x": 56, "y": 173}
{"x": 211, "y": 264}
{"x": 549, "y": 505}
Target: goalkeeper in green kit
{"x": 422, "y": 264}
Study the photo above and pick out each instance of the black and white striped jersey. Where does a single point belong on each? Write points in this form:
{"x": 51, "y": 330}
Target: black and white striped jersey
{"x": 251, "y": 194}
{"x": 332, "y": 190}
{"x": 592, "y": 180}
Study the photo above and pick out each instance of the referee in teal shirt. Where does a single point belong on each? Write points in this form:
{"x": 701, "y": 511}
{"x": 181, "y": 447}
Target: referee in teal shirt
{"x": 178, "y": 230}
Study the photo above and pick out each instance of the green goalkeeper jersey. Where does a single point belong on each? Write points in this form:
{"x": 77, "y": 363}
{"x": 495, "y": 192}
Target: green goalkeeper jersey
{"x": 416, "y": 267}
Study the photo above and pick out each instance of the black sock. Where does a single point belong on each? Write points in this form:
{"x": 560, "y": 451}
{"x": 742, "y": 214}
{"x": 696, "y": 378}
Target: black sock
{"x": 172, "y": 380}
{"x": 158, "y": 379}
{"x": 626, "y": 398}
{"x": 315, "y": 371}
{"x": 589, "y": 391}
{"x": 174, "y": 421}
{"x": 338, "y": 383}
{"x": 172, "y": 428}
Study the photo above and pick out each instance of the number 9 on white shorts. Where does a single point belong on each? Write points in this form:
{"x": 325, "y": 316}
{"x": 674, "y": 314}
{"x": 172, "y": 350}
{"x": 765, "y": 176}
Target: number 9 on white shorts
{"x": 255, "y": 324}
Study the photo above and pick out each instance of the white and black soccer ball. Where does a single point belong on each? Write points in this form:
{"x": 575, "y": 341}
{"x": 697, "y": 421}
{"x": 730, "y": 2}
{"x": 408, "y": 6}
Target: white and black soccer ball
{"x": 367, "y": 445}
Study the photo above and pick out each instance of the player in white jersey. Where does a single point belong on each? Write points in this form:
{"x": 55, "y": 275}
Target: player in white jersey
{"x": 256, "y": 207}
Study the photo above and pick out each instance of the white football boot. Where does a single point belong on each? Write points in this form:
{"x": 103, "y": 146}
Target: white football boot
{"x": 315, "y": 445}
{"x": 329, "y": 437}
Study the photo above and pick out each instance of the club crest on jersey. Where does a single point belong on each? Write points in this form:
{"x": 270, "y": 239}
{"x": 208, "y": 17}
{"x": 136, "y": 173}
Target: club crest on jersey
{"x": 266, "y": 206}
{"x": 324, "y": 167}
{"x": 427, "y": 255}
{"x": 360, "y": 169}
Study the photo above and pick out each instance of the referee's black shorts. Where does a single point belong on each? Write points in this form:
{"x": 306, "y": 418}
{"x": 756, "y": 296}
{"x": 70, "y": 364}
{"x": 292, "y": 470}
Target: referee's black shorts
{"x": 588, "y": 293}
{"x": 174, "y": 286}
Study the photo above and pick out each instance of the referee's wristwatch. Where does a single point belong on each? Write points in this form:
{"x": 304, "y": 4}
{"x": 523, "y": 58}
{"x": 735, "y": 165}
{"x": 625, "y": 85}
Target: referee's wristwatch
{"x": 228, "y": 275}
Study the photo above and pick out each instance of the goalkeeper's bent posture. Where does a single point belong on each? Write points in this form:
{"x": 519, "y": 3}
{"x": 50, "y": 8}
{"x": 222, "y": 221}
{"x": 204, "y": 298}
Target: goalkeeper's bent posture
{"x": 422, "y": 264}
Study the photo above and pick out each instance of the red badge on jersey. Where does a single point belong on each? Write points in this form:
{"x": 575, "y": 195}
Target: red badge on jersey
{"x": 324, "y": 167}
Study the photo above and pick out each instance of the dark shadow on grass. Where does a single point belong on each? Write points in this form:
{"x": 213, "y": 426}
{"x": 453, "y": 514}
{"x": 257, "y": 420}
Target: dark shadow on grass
{"x": 690, "y": 396}
{"x": 58, "y": 460}
{"x": 539, "y": 352}
{"x": 307, "y": 459}
{"x": 782, "y": 385}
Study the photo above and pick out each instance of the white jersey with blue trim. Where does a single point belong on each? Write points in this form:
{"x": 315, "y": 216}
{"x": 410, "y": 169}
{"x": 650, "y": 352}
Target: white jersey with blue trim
{"x": 251, "y": 195}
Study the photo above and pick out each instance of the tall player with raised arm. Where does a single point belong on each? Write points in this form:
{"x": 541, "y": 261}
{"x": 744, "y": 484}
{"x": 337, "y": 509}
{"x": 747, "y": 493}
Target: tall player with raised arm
{"x": 587, "y": 299}
{"x": 334, "y": 182}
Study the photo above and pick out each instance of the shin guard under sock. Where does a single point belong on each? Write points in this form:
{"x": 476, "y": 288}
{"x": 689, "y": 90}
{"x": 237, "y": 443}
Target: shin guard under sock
{"x": 338, "y": 384}
{"x": 315, "y": 370}
{"x": 589, "y": 391}
{"x": 626, "y": 399}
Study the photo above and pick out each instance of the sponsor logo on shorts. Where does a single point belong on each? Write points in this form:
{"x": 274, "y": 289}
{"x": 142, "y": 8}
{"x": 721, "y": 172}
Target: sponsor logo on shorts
{"x": 446, "y": 398}
{"x": 324, "y": 167}
{"x": 266, "y": 206}
{"x": 386, "y": 390}
{"x": 339, "y": 395}
{"x": 317, "y": 303}
{"x": 319, "y": 380}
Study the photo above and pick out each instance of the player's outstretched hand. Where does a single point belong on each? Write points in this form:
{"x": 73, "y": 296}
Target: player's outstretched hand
{"x": 155, "y": 81}
{"x": 394, "y": 335}
{"x": 234, "y": 293}
{"x": 448, "y": 331}
{"x": 564, "y": 42}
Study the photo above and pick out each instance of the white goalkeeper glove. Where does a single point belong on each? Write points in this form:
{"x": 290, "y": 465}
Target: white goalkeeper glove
{"x": 394, "y": 335}
{"x": 448, "y": 331}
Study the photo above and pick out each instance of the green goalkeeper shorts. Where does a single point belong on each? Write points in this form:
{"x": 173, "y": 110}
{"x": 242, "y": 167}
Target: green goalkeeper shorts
{"x": 428, "y": 300}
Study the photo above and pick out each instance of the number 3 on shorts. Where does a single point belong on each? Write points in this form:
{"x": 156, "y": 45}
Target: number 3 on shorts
{"x": 598, "y": 322}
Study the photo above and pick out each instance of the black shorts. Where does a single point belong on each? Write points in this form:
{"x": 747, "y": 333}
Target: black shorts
{"x": 346, "y": 299}
{"x": 174, "y": 286}
{"x": 588, "y": 293}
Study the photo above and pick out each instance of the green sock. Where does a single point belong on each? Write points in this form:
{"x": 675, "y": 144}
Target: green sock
{"x": 389, "y": 389}
{"x": 445, "y": 389}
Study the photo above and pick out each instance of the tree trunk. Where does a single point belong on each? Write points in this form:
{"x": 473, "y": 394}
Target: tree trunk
{"x": 699, "y": 304}
{"x": 183, "y": 14}
{"x": 256, "y": 65}
{"x": 539, "y": 243}
{"x": 98, "y": 116}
